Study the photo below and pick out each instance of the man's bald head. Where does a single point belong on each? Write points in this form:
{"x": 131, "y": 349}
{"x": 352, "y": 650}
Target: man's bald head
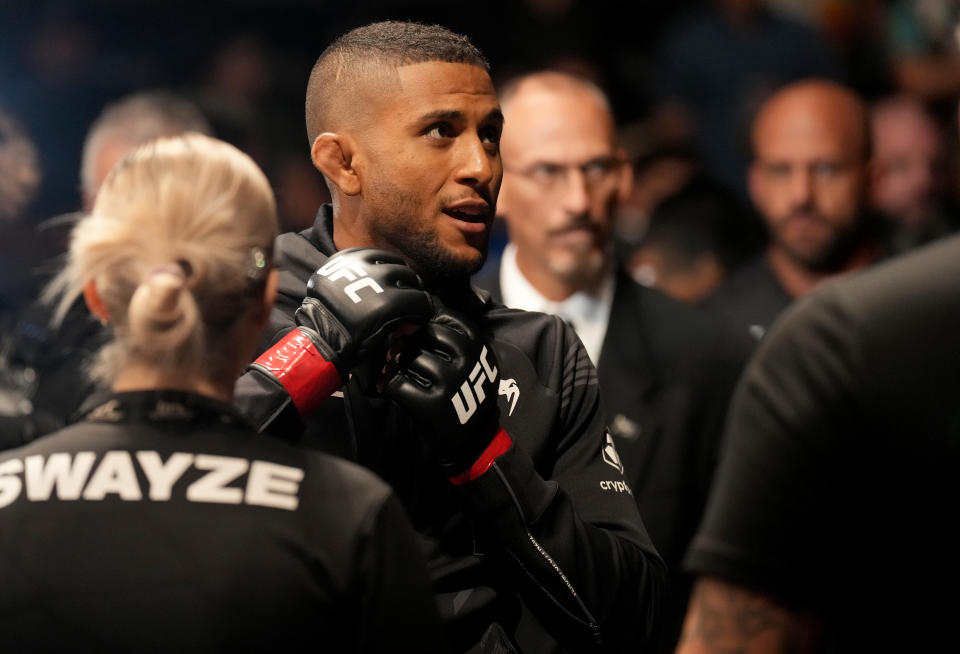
{"x": 819, "y": 105}
{"x": 808, "y": 178}
{"x": 131, "y": 121}
{"x": 556, "y": 83}
{"x": 366, "y": 57}
{"x": 563, "y": 177}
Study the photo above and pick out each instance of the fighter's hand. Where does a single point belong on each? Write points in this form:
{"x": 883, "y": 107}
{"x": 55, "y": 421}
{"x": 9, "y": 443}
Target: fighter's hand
{"x": 354, "y": 302}
{"x": 450, "y": 387}
{"x": 358, "y": 299}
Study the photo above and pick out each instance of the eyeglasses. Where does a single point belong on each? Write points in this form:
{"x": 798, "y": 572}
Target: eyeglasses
{"x": 551, "y": 176}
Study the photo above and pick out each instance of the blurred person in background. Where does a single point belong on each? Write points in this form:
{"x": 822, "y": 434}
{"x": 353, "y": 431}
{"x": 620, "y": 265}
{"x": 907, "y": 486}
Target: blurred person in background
{"x": 696, "y": 237}
{"x": 55, "y": 84}
{"x": 922, "y": 46}
{"x": 911, "y": 173}
{"x": 20, "y": 177}
{"x": 657, "y": 173}
{"x": 126, "y": 123}
{"x": 809, "y": 180}
{"x": 54, "y": 360}
{"x": 160, "y": 521}
{"x": 829, "y": 525}
{"x": 717, "y": 64}
{"x": 666, "y": 370}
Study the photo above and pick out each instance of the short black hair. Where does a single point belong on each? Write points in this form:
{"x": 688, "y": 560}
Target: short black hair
{"x": 393, "y": 43}
{"x": 702, "y": 217}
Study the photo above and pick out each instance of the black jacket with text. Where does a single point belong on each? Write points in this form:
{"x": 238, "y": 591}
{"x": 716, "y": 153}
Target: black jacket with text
{"x": 163, "y": 523}
{"x": 666, "y": 372}
{"x": 552, "y": 524}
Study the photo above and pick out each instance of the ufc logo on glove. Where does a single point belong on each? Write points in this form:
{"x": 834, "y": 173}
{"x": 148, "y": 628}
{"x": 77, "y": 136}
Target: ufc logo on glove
{"x": 465, "y": 402}
{"x": 336, "y": 269}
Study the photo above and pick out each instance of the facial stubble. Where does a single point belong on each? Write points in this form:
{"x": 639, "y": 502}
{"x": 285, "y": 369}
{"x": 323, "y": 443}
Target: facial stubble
{"x": 396, "y": 223}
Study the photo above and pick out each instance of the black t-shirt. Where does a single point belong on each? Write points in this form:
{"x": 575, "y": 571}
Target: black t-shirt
{"x": 838, "y": 486}
{"x": 162, "y": 523}
{"x": 750, "y": 299}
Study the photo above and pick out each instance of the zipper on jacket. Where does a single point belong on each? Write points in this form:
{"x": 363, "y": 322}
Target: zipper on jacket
{"x": 590, "y": 621}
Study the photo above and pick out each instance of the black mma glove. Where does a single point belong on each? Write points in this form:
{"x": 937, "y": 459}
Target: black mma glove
{"x": 354, "y": 302}
{"x": 450, "y": 387}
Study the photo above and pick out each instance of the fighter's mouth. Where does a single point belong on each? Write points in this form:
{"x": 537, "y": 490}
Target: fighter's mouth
{"x": 469, "y": 213}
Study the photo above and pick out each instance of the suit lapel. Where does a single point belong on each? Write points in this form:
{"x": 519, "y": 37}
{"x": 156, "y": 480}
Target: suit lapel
{"x": 628, "y": 380}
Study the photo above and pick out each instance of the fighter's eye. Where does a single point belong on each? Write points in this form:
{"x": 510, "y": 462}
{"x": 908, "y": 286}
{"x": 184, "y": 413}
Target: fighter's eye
{"x": 440, "y": 131}
{"x": 491, "y": 134}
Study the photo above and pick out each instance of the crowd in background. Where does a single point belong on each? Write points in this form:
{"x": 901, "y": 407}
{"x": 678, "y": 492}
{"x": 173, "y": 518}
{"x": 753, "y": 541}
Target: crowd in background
{"x": 705, "y": 95}
{"x": 684, "y": 79}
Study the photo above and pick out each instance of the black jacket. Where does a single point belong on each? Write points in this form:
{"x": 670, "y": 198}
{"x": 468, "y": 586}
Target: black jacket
{"x": 552, "y": 522}
{"x": 161, "y": 523}
{"x": 751, "y": 299}
{"x": 667, "y": 371}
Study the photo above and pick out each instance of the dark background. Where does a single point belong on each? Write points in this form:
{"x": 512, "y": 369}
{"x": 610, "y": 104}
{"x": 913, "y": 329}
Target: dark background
{"x": 246, "y": 62}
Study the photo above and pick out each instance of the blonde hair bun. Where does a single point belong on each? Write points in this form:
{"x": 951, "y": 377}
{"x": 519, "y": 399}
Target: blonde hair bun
{"x": 168, "y": 244}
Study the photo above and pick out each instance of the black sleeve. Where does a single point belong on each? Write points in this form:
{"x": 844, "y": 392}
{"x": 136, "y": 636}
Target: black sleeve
{"x": 777, "y": 501}
{"x": 398, "y": 608}
{"x": 586, "y": 566}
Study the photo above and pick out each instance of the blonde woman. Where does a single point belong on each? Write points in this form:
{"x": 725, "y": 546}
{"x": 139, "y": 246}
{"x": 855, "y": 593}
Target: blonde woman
{"x": 161, "y": 522}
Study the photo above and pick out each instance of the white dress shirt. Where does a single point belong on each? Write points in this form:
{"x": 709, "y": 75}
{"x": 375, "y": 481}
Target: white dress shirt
{"x": 587, "y": 312}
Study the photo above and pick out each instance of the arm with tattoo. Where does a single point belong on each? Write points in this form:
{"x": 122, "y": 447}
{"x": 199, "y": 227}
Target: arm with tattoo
{"x": 730, "y": 619}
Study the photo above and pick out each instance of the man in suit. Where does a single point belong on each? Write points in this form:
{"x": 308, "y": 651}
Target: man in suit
{"x": 666, "y": 371}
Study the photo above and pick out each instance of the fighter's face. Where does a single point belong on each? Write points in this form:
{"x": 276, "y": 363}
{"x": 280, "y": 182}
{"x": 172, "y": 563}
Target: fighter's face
{"x": 808, "y": 180}
{"x": 561, "y": 184}
{"x": 433, "y": 168}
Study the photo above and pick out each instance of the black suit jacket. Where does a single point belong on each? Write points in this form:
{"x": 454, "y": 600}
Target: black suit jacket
{"x": 667, "y": 371}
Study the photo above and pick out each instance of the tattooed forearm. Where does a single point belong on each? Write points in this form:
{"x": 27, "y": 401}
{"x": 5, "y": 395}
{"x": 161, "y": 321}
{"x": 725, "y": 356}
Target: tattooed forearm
{"x": 729, "y": 619}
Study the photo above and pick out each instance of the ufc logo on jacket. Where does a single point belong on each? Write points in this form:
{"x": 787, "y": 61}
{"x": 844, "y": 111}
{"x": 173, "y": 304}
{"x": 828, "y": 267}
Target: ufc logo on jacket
{"x": 471, "y": 391}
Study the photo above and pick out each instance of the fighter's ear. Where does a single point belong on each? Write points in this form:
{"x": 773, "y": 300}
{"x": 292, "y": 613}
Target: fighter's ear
{"x": 333, "y": 155}
{"x": 92, "y": 297}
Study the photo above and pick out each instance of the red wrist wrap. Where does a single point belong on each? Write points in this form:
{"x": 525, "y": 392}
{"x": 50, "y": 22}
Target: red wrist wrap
{"x": 500, "y": 444}
{"x": 301, "y": 370}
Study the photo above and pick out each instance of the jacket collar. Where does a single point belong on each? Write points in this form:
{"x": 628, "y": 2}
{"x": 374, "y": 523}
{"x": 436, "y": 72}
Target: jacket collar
{"x": 321, "y": 234}
{"x": 163, "y": 405}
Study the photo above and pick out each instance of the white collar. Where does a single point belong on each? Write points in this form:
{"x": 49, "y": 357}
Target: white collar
{"x": 587, "y": 311}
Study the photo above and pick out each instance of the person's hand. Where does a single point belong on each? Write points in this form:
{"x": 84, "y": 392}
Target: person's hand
{"x": 450, "y": 386}
{"x": 355, "y": 302}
